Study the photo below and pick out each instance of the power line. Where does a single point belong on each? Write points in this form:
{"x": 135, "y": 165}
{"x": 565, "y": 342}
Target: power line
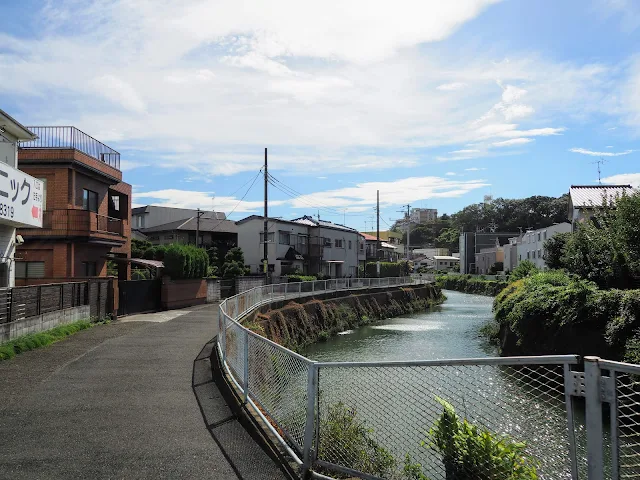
{"x": 243, "y": 197}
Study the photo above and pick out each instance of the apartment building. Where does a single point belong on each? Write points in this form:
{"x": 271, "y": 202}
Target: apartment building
{"x": 20, "y": 196}
{"x": 472, "y": 243}
{"x": 392, "y": 238}
{"x": 531, "y": 245}
{"x": 424, "y": 215}
{"x": 385, "y": 252}
{"x": 86, "y": 208}
{"x": 304, "y": 244}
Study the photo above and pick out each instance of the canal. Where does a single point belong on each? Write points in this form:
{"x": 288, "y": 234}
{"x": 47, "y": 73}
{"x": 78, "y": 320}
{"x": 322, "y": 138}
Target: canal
{"x": 398, "y": 404}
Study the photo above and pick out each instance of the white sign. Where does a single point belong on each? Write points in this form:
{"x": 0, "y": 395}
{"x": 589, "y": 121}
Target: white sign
{"x": 21, "y": 198}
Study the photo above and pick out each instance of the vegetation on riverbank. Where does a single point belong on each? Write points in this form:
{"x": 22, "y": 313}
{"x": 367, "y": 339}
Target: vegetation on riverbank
{"x": 299, "y": 324}
{"x": 41, "y": 339}
{"x": 467, "y": 451}
{"x": 469, "y": 284}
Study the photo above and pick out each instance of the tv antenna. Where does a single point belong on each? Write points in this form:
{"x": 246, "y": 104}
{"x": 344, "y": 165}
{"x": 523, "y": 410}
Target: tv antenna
{"x": 601, "y": 161}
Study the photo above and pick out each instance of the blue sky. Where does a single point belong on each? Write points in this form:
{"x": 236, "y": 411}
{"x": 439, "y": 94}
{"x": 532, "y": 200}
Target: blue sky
{"x": 433, "y": 103}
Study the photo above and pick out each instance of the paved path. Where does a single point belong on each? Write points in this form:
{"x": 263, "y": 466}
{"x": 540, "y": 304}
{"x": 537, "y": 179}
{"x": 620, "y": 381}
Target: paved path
{"x": 116, "y": 401}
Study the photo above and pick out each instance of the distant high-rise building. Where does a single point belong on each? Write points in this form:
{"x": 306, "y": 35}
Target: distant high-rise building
{"x": 424, "y": 215}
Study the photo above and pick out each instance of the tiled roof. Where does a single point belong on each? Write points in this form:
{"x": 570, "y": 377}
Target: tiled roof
{"x": 592, "y": 195}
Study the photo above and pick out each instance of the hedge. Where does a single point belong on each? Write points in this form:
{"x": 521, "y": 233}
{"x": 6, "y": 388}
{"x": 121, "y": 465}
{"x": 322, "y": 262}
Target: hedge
{"x": 300, "y": 278}
{"x": 387, "y": 269}
{"x": 469, "y": 284}
{"x": 185, "y": 261}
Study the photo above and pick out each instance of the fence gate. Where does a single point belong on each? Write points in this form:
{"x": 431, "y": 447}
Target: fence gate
{"x": 138, "y": 296}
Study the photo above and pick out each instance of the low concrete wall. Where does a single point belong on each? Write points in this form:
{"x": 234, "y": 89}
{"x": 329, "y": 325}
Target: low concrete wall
{"x": 45, "y": 321}
{"x": 183, "y": 293}
{"x": 247, "y": 283}
{"x": 213, "y": 290}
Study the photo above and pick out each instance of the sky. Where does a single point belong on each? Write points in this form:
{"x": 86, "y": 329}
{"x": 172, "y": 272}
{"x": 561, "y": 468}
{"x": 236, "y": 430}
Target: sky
{"x": 435, "y": 104}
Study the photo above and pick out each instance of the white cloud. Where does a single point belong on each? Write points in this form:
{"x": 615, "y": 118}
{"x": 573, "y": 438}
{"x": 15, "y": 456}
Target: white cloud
{"x": 632, "y": 179}
{"x": 609, "y": 146}
{"x": 397, "y": 192}
{"x": 591, "y": 153}
{"x": 194, "y": 199}
{"x": 203, "y": 75}
{"x": 448, "y": 87}
{"x": 118, "y": 91}
{"x": 451, "y": 174}
{"x": 464, "y": 152}
{"x": 512, "y": 142}
{"x": 474, "y": 169}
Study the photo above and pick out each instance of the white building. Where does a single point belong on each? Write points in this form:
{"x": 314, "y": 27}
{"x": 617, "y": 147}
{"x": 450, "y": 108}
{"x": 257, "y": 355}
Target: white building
{"x": 584, "y": 199}
{"x": 304, "y": 244}
{"x": 21, "y": 195}
{"x": 446, "y": 262}
{"x": 511, "y": 254}
{"x": 531, "y": 245}
{"x": 424, "y": 215}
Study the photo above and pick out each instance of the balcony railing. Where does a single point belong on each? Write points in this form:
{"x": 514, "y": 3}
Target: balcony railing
{"x": 71, "y": 137}
{"x": 71, "y": 222}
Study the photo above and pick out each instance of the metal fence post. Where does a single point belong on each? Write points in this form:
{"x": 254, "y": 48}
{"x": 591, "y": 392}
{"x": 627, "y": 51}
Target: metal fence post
{"x": 224, "y": 339}
{"x": 246, "y": 366}
{"x": 592, "y": 376}
{"x": 309, "y": 428}
{"x": 615, "y": 440}
{"x": 313, "y": 286}
{"x": 571, "y": 431}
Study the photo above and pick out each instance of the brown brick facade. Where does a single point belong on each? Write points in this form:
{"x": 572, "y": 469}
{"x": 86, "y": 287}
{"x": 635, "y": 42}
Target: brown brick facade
{"x": 72, "y": 235}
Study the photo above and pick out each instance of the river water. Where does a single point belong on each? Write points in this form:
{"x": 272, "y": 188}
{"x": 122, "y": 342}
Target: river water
{"x": 399, "y": 404}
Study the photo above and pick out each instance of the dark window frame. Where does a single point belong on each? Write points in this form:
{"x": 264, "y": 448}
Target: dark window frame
{"x": 86, "y": 200}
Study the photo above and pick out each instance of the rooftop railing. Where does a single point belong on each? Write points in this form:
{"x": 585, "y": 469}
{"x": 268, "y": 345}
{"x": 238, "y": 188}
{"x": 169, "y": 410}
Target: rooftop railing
{"x": 72, "y": 138}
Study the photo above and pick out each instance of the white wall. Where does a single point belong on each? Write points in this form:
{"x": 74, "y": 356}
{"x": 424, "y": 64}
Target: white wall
{"x": 531, "y": 246}
{"x": 8, "y": 155}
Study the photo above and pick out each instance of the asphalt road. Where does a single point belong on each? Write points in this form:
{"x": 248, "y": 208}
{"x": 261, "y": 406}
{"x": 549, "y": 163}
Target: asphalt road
{"x": 116, "y": 401}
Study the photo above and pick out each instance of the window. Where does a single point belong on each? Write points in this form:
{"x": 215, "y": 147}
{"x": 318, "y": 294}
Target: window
{"x": 44, "y": 193}
{"x": 29, "y": 269}
{"x": 89, "y": 200}
{"x": 89, "y": 269}
{"x": 327, "y": 243}
{"x": 528, "y": 255}
{"x": 284, "y": 238}
{"x": 339, "y": 243}
{"x": 362, "y": 246}
{"x": 270, "y": 237}
{"x": 168, "y": 237}
{"x": 349, "y": 244}
{"x": 539, "y": 236}
{"x": 539, "y": 253}
{"x": 519, "y": 257}
{"x": 545, "y": 234}
{"x": 302, "y": 240}
{"x": 154, "y": 237}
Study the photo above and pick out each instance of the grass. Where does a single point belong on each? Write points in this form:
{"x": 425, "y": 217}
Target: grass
{"x": 41, "y": 339}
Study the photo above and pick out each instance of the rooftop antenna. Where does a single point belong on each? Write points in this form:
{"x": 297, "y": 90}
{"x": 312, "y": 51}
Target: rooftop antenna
{"x": 601, "y": 161}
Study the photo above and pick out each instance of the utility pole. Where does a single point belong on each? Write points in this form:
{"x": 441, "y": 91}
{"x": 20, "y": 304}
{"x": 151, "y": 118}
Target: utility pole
{"x": 408, "y": 233}
{"x": 265, "y": 261}
{"x": 377, "y": 224}
{"x": 198, "y": 215}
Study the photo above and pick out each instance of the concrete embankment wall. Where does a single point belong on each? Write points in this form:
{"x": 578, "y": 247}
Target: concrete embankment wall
{"x": 302, "y": 321}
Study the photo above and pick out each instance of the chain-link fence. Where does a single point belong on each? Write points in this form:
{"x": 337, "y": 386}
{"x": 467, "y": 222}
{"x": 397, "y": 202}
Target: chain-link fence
{"x": 445, "y": 419}
{"x": 485, "y": 419}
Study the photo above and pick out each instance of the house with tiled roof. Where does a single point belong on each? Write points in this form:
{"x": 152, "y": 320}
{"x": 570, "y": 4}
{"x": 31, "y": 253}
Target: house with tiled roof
{"x": 585, "y": 199}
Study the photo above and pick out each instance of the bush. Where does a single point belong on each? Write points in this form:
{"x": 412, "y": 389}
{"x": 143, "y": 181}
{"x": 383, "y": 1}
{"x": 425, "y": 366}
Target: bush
{"x": 524, "y": 268}
{"x": 300, "y": 278}
{"x": 234, "y": 264}
{"x": 470, "y": 452}
{"x": 387, "y": 269}
{"x": 469, "y": 284}
{"x": 185, "y": 261}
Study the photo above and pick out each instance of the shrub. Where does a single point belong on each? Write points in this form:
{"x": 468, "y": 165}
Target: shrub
{"x": 469, "y": 284}
{"x": 346, "y": 440}
{"x": 387, "y": 269}
{"x": 185, "y": 261}
{"x": 300, "y": 278}
{"x": 470, "y": 452}
{"x": 524, "y": 268}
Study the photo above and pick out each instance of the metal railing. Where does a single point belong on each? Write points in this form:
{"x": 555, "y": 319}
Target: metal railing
{"x": 416, "y": 419}
{"x": 71, "y": 137}
{"x": 63, "y": 222}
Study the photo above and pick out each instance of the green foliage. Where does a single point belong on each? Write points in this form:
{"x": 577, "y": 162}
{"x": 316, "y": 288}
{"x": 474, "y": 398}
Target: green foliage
{"x": 604, "y": 249}
{"x": 387, "y": 269}
{"x": 300, "y": 278}
{"x": 138, "y": 247}
{"x": 149, "y": 254}
{"x": 159, "y": 252}
{"x": 469, "y": 284}
{"x": 36, "y": 340}
{"x": 234, "y": 264}
{"x": 185, "y": 261}
{"x": 449, "y": 238}
{"x": 140, "y": 274}
{"x": 346, "y": 440}
{"x": 554, "y": 249}
{"x": 524, "y": 269}
{"x": 470, "y": 452}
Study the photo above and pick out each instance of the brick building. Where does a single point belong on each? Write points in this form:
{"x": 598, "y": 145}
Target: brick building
{"x": 87, "y": 208}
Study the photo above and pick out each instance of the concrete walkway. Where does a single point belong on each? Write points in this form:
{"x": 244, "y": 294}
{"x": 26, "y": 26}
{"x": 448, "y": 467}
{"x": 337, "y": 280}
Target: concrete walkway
{"x": 117, "y": 401}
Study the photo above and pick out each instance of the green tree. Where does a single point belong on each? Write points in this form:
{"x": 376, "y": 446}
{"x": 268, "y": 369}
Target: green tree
{"x": 234, "y": 263}
{"x": 554, "y": 249}
{"x": 449, "y": 238}
{"x": 524, "y": 269}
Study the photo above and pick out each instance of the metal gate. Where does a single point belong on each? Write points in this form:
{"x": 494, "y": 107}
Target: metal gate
{"x": 139, "y": 296}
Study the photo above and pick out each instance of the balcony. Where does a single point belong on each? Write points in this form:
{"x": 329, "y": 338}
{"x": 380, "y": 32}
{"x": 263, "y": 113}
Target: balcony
{"x": 61, "y": 138}
{"x": 79, "y": 224}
